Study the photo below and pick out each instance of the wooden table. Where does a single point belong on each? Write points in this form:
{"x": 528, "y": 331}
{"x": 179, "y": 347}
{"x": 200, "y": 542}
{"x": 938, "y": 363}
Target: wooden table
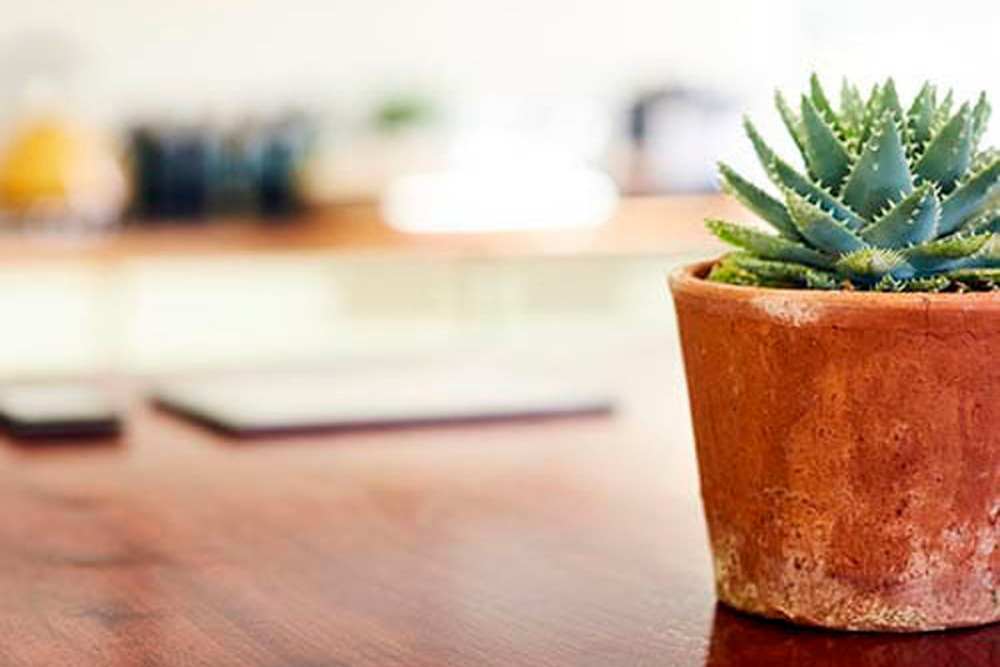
{"x": 568, "y": 542}
{"x": 641, "y": 225}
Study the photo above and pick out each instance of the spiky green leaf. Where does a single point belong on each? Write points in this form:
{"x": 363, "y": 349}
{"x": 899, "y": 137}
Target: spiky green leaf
{"x": 984, "y": 279}
{"x": 792, "y": 180}
{"x": 766, "y": 246}
{"x": 822, "y": 103}
{"x": 919, "y": 119}
{"x": 828, "y": 158}
{"x": 912, "y": 220}
{"x": 980, "y": 119}
{"x": 821, "y": 228}
{"x": 727, "y": 271}
{"x": 852, "y": 111}
{"x": 945, "y": 253}
{"x": 970, "y": 199}
{"x": 792, "y": 123}
{"x": 983, "y": 159}
{"x": 881, "y": 175}
{"x": 764, "y": 205}
{"x": 868, "y": 265}
{"x": 928, "y": 284}
{"x": 782, "y": 274}
{"x": 986, "y": 222}
{"x": 949, "y": 152}
{"x": 942, "y": 112}
{"x": 785, "y": 177}
{"x": 873, "y": 112}
{"x": 890, "y": 101}
{"x": 987, "y": 257}
{"x": 765, "y": 154}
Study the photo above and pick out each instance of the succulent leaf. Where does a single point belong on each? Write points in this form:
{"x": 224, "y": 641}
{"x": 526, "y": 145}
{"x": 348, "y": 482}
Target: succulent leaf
{"x": 792, "y": 180}
{"x": 822, "y": 229}
{"x": 949, "y": 152}
{"x": 767, "y": 207}
{"x": 764, "y": 205}
{"x": 937, "y": 283}
{"x": 987, "y": 222}
{"x": 945, "y": 253}
{"x": 869, "y": 265}
{"x": 980, "y": 119}
{"x": 819, "y": 98}
{"x": 784, "y": 176}
{"x": 852, "y": 111}
{"x": 881, "y": 174}
{"x": 780, "y": 274}
{"x": 942, "y": 112}
{"x": 767, "y": 246}
{"x": 986, "y": 257}
{"x": 984, "y": 279}
{"x": 984, "y": 159}
{"x": 827, "y": 157}
{"x": 970, "y": 198}
{"x": 765, "y": 154}
{"x": 792, "y": 124}
{"x": 728, "y": 271}
{"x": 912, "y": 220}
{"x": 920, "y": 117}
{"x": 873, "y": 112}
{"x": 890, "y": 101}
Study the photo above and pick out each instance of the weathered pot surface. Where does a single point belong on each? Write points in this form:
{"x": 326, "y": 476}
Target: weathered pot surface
{"x": 849, "y": 451}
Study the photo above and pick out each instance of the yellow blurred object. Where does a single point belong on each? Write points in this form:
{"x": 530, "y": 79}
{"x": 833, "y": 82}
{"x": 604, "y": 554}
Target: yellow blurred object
{"x": 53, "y": 168}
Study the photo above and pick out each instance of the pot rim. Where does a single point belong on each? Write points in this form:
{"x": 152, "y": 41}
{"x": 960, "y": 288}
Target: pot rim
{"x": 689, "y": 280}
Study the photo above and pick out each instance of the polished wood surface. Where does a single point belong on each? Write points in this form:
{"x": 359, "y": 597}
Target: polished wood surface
{"x": 540, "y": 543}
{"x": 641, "y": 226}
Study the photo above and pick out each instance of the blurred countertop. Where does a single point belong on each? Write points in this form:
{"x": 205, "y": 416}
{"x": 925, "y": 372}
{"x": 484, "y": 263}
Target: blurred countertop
{"x": 641, "y": 226}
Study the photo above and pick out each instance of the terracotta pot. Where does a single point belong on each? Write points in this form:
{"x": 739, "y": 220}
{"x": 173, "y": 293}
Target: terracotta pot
{"x": 849, "y": 451}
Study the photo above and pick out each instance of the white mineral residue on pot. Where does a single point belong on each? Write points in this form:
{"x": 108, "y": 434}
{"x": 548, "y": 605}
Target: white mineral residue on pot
{"x": 787, "y": 310}
{"x": 988, "y": 542}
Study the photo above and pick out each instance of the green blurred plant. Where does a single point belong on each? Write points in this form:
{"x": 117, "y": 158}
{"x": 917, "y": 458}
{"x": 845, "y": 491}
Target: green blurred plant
{"x": 402, "y": 111}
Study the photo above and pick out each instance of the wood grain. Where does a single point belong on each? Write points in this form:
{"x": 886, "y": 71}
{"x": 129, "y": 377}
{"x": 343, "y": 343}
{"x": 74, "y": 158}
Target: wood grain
{"x": 569, "y": 542}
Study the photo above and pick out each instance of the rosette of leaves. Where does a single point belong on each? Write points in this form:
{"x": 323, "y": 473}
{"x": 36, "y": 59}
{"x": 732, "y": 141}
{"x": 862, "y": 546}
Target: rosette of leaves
{"x": 889, "y": 199}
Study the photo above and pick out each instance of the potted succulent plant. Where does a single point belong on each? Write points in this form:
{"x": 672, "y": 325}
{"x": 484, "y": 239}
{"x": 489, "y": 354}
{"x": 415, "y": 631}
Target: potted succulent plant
{"x": 844, "y": 371}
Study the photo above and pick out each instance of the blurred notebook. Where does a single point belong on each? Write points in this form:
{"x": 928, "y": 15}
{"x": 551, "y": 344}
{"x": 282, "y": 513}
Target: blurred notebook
{"x": 270, "y": 404}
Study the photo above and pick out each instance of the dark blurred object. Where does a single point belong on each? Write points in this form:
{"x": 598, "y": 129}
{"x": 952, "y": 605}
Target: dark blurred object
{"x": 281, "y": 153}
{"x": 59, "y": 410}
{"x": 674, "y": 133}
{"x": 188, "y": 173}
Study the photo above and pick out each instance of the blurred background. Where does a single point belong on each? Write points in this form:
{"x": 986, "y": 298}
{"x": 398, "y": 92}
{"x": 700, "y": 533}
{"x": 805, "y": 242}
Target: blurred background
{"x": 212, "y": 183}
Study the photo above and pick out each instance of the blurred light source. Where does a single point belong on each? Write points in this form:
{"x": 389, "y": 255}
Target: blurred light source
{"x": 489, "y": 199}
{"x": 513, "y": 164}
